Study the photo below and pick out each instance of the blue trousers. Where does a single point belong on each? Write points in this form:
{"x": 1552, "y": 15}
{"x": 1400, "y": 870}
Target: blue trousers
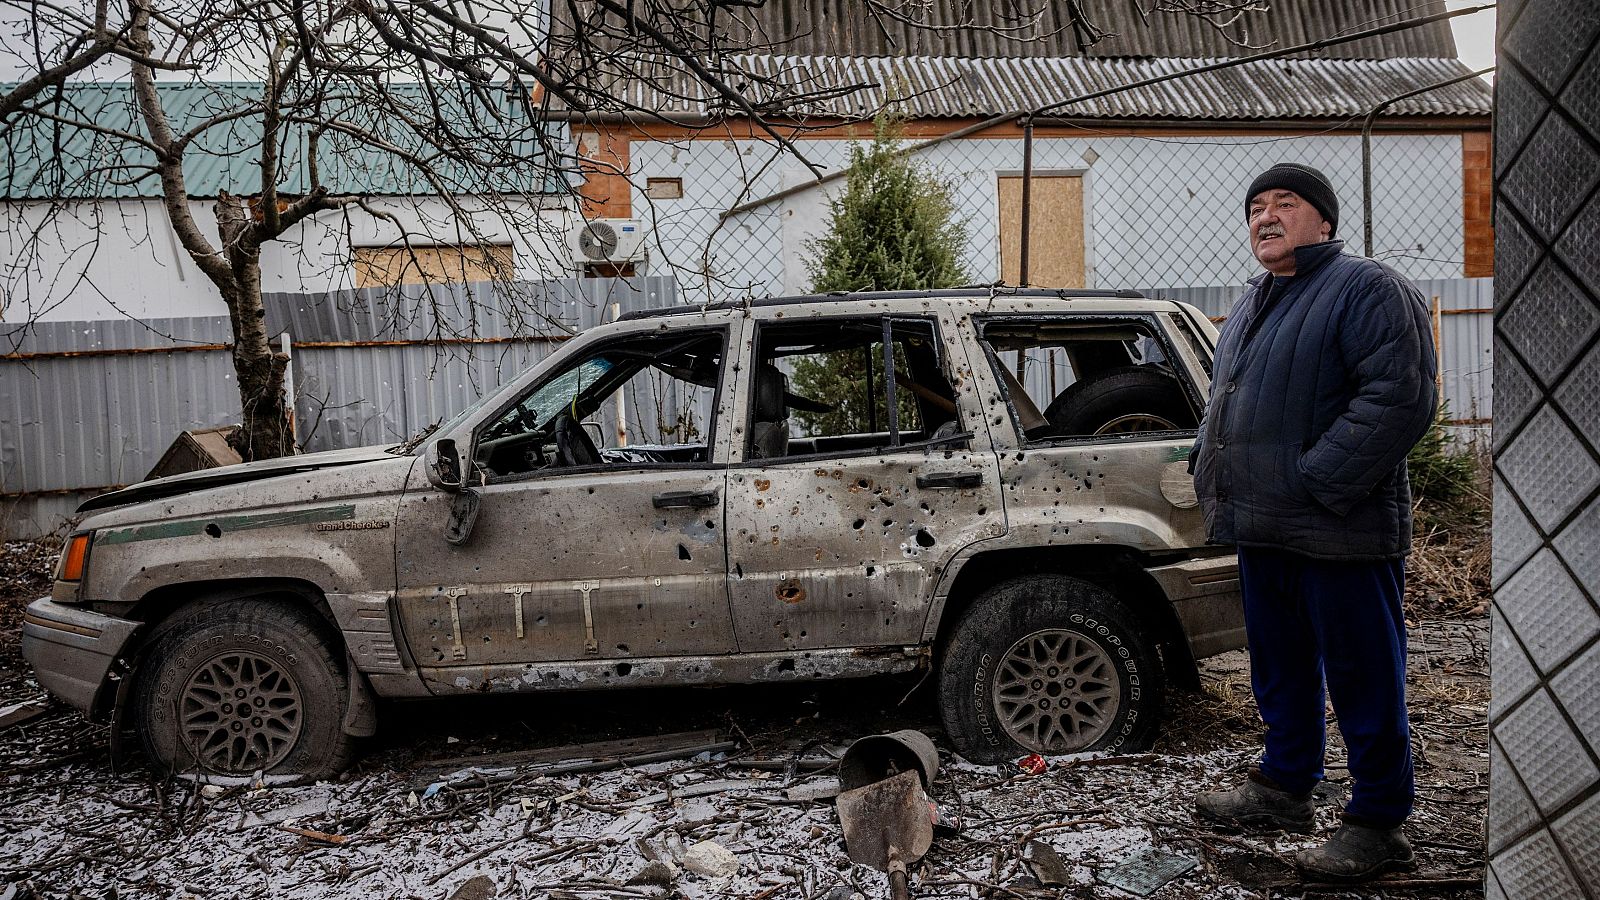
{"x": 1312, "y": 622}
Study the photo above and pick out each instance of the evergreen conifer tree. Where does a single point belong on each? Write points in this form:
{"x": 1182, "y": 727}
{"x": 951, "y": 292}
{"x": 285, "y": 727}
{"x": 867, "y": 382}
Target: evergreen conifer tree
{"x": 892, "y": 228}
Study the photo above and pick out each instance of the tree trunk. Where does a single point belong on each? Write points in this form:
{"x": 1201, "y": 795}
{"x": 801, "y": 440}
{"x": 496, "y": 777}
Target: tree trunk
{"x": 235, "y": 270}
{"x": 266, "y": 431}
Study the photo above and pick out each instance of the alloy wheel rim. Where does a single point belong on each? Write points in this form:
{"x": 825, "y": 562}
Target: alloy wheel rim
{"x": 1136, "y": 422}
{"x": 1056, "y": 691}
{"x": 240, "y": 712}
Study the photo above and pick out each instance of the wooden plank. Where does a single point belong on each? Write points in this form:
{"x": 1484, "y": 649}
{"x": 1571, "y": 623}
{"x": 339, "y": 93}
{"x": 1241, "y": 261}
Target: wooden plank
{"x": 592, "y": 750}
{"x": 20, "y": 713}
{"x": 1056, "y": 252}
{"x": 444, "y": 264}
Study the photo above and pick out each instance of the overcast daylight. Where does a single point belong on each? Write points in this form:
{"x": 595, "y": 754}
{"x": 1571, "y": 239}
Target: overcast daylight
{"x": 799, "y": 449}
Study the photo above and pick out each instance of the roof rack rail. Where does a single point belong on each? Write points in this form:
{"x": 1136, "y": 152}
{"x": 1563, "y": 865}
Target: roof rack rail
{"x": 977, "y": 290}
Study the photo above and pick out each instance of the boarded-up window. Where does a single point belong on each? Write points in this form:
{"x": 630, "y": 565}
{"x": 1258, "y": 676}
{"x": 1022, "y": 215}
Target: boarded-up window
{"x": 1055, "y": 252}
{"x": 440, "y": 264}
{"x": 664, "y": 188}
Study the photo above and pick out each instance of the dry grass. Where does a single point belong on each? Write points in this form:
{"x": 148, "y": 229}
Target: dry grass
{"x": 1447, "y": 575}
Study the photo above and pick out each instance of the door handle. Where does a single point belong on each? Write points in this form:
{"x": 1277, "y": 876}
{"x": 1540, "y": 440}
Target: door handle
{"x": 684, "y": 500}
{"x": 950, "y": 480}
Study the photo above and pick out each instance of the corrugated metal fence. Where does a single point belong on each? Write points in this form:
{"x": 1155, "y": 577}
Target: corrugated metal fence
{"x": 89, "y": 405}
{"x": 85, "y": 406}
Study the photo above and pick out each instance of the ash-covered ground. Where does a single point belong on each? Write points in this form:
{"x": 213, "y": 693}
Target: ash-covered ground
{"x": 73, "y": 826}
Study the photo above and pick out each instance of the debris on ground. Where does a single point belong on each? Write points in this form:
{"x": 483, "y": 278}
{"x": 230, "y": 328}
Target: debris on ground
{"x": 400, "y": 824}
{"x": 21, "y": 712}
{"x": 1448, "y": 571}
{"x": 1148, "y": 871}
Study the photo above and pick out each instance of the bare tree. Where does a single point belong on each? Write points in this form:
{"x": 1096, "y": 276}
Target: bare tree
{"x": 55, "y": 41}
{"x": 454, "y": 97}
{"x": 451, "y": 97}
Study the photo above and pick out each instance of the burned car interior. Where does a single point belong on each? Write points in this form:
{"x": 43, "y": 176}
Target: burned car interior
{"x": 565, "y": 421}
{"x": 1071, "y": 379}
{"x": 824, "y": 387}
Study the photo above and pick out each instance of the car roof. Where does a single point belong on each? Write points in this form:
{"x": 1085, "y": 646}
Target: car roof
{"x": 981, "y": 292}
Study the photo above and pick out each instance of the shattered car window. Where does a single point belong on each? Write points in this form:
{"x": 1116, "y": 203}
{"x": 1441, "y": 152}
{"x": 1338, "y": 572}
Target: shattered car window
{"x": 538, "y": 408}
{"x": 637, "y": 401}
{"x": 1073, "y": 377}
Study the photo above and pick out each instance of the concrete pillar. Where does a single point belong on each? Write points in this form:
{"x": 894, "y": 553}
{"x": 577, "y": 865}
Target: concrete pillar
{"x": 1544, "y": 718}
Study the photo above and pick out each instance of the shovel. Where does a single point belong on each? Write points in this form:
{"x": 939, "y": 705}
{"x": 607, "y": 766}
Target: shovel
{"x": 888, "y": 826}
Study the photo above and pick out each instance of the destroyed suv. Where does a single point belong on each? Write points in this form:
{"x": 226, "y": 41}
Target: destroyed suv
{"x": 991, "y": 484}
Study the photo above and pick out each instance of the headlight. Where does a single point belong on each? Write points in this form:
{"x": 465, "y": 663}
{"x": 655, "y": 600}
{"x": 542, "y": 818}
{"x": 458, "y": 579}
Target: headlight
{"x": 75, "y": 557}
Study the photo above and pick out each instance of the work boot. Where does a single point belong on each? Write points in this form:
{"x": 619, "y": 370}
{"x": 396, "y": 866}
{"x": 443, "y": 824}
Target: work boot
{"x": 1258, "y": 805}
{"x": 1356, "y": 853}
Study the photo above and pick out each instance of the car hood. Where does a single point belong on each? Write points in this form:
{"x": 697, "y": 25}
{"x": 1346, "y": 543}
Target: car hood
{"x": 174, "y": 485}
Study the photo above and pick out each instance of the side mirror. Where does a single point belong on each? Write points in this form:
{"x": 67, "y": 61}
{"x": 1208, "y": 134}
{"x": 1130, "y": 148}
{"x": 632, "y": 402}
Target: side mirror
{"x": 444, "y": 465}
{"x": 596, "y": 433}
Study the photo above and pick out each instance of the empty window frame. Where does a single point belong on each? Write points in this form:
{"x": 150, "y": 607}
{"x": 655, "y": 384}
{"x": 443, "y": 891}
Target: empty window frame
{"x": 1075, "y": 378}
{"x": 823, "y": 388}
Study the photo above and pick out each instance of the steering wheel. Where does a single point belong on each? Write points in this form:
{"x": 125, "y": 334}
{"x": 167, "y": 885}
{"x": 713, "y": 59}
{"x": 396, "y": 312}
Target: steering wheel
{"x": 573, "y": 446}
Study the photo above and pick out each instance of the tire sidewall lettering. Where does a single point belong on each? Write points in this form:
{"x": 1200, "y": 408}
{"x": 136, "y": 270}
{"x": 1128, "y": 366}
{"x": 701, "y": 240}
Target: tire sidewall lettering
{"x": 1129, "y": 685}
{"x": 287, "y": 643}
{"x": 980, "y": 699}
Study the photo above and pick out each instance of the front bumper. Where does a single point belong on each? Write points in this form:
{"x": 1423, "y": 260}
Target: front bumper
{"x": 72, "y": 649}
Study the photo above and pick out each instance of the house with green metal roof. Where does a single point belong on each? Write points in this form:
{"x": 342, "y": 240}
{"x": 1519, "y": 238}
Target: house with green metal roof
{"x": 86, "y": 235}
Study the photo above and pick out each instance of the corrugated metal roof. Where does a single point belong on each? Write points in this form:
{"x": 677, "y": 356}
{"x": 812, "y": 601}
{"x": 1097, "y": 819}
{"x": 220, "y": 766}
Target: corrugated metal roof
{"x": 1000, "y": 29}
{"x": 44, "y": 159}
{"x": 946, "y": 87}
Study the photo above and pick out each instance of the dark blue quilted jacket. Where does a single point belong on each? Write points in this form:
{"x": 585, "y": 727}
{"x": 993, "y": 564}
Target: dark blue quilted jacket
{"x": 1323, "y": 382}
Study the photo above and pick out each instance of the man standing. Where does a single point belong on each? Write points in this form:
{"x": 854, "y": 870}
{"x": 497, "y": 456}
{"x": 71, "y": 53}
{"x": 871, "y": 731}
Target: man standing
{"x": 1324, "y": 381}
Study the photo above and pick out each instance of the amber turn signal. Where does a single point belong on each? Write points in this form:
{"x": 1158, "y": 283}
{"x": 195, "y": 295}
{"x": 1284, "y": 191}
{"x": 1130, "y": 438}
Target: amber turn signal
{"x": 74, "y": 556}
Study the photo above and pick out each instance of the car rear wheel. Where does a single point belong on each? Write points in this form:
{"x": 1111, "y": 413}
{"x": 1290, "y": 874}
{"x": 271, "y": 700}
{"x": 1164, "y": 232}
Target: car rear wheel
{"x": 244, "y": 686}
{"x": 1121, "y": 401}
{"x": 1048, "y": 664}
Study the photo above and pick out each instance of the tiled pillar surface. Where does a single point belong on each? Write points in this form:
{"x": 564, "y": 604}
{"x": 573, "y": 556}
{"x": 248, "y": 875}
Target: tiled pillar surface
{"x": 1544, "y": 719}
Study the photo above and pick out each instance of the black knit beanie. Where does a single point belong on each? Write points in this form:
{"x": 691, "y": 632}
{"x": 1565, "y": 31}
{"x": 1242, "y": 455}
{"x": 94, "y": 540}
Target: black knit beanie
{"x": 1310, "y": 184}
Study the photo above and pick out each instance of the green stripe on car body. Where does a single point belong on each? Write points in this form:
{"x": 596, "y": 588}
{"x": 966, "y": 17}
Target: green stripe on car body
{"x": 189, "y": 527}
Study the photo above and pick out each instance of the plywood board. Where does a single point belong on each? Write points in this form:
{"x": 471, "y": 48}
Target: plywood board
{"x": 1056, "y": 252}
{"x": 445, "y": 264}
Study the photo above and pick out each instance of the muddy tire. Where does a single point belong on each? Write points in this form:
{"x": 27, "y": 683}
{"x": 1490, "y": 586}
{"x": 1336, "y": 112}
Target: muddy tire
{"x": 1048, "y": 664}
{"x": 1121, "y": 400}
{"x": 242, "y": 686}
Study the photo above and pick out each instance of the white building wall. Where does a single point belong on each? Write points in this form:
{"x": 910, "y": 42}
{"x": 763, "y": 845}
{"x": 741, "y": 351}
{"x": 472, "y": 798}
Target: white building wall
{"x": 109, "y": 259}
{"x": 1161, "y": 212}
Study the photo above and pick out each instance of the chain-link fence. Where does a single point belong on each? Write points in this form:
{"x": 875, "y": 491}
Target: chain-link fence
{"x": 1158, "y": 212}
{"x": 1108, "y": 210}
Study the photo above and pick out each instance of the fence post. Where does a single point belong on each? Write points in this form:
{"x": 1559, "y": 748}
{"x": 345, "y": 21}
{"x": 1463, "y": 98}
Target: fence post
{"x": 286, "y": 346}
{"x": 1027, "y": 201}
{"x": 1366, "y": 145}
{"x": 1437, "y": 314}
{"x": 622, "y": 395}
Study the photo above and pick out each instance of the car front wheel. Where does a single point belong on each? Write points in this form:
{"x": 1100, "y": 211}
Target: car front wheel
{"x": 244, "y": 686}
{"x": 1048, "y": 664}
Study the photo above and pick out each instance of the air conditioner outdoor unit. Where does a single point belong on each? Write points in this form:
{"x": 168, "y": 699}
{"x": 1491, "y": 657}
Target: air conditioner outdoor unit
{"x": 607, "y": 241}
